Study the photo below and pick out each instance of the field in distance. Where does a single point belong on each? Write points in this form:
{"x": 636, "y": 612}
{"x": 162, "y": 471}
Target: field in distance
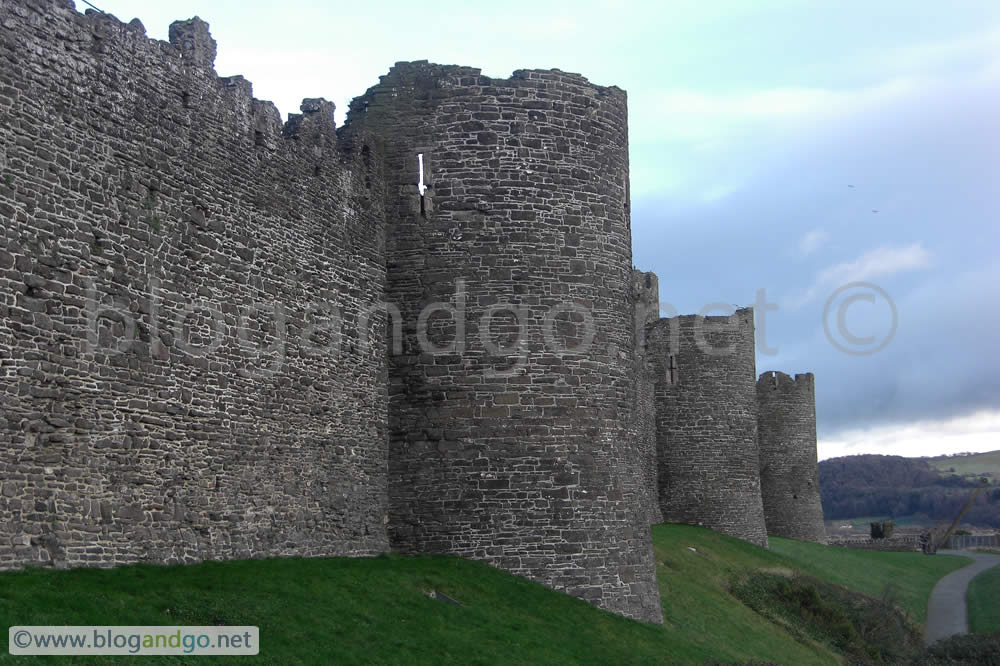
{"x": 977, "y": 464}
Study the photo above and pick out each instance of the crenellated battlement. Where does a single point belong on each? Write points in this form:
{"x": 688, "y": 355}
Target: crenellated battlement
{"x": 779, "y": 381}
{"x": 188, "y": 83}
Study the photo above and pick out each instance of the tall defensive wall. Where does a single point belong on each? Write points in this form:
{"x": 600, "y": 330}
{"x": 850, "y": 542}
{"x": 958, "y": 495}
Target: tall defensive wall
{"x": 171, "y": 259}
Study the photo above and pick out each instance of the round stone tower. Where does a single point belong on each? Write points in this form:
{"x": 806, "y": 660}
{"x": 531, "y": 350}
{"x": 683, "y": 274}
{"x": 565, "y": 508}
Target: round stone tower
{"x": 511, "y": 387}
{"x": 707, "y": 423}
{"x": 789, "y": 472}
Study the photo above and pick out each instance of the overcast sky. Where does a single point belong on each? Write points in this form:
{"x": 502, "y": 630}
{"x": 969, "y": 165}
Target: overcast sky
{"x": 779, "y": 150}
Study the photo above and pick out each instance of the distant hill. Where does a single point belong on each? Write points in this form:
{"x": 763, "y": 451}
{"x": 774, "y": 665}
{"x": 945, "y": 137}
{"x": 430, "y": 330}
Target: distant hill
{"x": 970, "y": 464}
{"x": 897, "y": 487}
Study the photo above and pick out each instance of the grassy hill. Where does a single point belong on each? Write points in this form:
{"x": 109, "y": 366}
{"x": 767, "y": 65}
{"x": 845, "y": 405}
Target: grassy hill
{"x": 342, "y": 610}
{"x": 976, "y": 465}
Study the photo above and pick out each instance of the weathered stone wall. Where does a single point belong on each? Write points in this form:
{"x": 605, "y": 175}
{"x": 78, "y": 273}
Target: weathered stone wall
{"x": 510, "y": 436}
{"x": 906, "y": 544}
{"x": 194, "y": 360}
{"x": 707, "y": 423}
{"x": 646, "y": 301}
{"x": 163, "y": 210}
{"x": 789, "y": 471}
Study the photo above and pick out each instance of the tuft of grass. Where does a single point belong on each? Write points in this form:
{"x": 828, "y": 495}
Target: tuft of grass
{"x": 984, "y": 602}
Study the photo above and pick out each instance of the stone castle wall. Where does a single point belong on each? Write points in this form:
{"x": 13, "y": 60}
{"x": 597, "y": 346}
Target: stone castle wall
{"x": 789, "y": 472}
{"x": 167, "y": 248}
{"x": 706, "y": 421}
{"x": 510, "y": 405}
{"x": 646, "y": 303}
{"x": 192, "y": 333}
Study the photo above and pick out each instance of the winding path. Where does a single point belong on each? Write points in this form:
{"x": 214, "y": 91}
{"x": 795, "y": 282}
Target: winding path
{"x": 947, "y": 612}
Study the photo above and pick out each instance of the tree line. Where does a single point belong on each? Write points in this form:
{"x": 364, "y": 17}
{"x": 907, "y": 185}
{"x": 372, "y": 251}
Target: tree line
{"x": 897, "y": 487}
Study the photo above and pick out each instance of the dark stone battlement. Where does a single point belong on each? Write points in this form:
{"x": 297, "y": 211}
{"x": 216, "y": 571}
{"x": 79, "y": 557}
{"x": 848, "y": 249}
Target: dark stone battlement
{"x": 776, "y": 380}
{"x": 194, "y": 42}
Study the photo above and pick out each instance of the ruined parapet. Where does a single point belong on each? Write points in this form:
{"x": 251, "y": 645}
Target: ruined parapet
{"x": 788, "y": 462}
{"x": 646, "y": 304}
{"x": 646, "y": 299}
{"x": 186, "y": 369}
{"x": 194, "y": 42}
{"x": 509, "y": 258}
{"x": 707, "y": 423}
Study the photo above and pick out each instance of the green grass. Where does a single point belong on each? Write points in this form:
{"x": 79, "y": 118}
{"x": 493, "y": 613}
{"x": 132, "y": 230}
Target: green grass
{"x": 910, "y": 577}
{"x": 974, "y": 465}
{"x": 341, "y": 610}
{"x": 699, "y": 610}
{"x": 984, "y": 602}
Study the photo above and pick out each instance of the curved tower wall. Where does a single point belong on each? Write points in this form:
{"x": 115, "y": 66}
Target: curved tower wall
{"x": 707, "y": 423}
{"x": 789, "y": 472}
{"x": 512, "y": 445}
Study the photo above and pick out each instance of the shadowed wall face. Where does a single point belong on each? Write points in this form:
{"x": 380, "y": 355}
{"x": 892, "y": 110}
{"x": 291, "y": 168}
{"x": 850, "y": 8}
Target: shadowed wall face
{"x": 646, "y": 299}
{"x": 789, "y": 471}
{"x": 707, "y": 423}
{"x": 512, "y": 435}
{"x": 165, "y": 253}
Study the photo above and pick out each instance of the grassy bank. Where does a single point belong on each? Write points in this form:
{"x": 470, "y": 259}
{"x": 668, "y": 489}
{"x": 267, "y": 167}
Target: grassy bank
{"x": 378, "y": 610}
{"x": 909, "y": 577}
{"x": 984, "y": 602}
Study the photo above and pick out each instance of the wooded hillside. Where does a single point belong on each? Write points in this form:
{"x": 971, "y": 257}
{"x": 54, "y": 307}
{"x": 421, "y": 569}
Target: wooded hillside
{"x": 894, "y": 486}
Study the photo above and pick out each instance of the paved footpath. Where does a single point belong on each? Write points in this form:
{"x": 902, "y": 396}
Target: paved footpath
{"x": 947, "y": 613}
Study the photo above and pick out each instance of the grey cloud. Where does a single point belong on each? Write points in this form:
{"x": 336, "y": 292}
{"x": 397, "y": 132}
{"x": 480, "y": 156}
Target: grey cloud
{"x": 928, "y": 164}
